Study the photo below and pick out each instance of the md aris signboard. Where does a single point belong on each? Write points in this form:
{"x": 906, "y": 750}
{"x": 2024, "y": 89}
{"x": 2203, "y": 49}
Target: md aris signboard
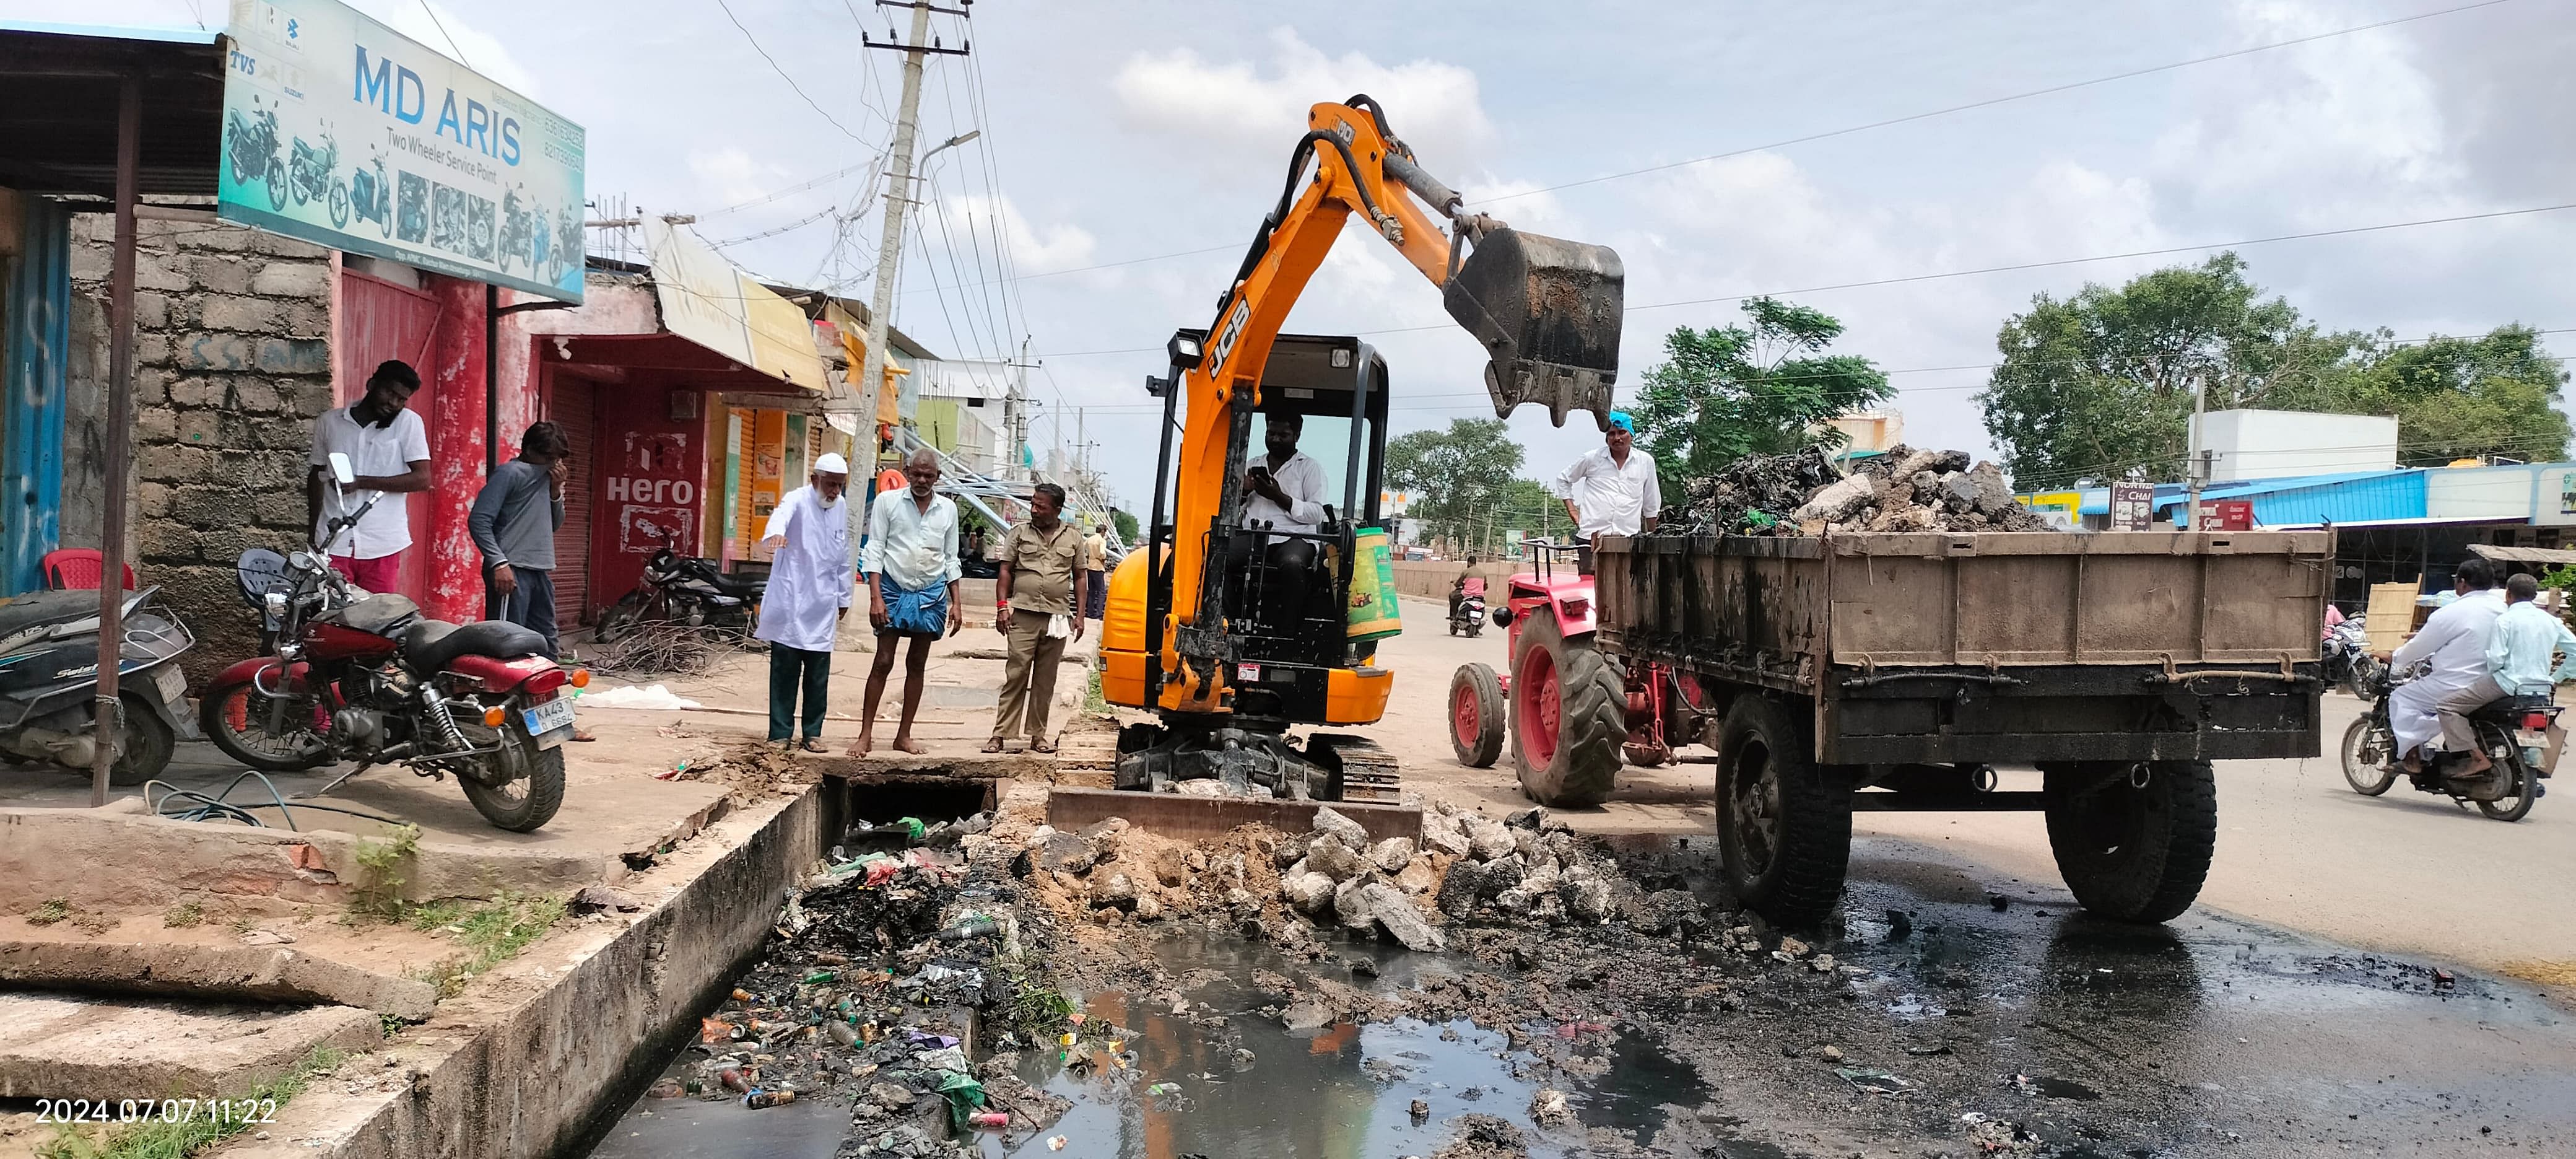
{"x": 348, "y": 134}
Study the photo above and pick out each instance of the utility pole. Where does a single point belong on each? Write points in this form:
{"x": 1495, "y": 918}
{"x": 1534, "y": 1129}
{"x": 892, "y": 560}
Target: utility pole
{"x": 2196, "y": 468}
{"x": 1081, "y": 450}
{"x": 1015, "y": 416}
{"x": 890, "y": 242}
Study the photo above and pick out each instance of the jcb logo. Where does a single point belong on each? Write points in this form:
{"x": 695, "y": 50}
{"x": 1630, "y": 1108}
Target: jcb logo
{"x": 1233, "y": 332}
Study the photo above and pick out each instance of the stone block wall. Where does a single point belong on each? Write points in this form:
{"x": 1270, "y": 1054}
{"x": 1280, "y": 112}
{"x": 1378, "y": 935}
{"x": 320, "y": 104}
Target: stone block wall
{"x": 232, "y": 363}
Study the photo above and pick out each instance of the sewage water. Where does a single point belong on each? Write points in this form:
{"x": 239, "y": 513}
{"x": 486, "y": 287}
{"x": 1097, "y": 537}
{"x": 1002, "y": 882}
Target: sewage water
{"x": 1338, "y": 1092}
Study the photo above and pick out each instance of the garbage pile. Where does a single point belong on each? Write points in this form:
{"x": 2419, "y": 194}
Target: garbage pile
{"x": 1803, "y": 493}
{"x": 878, "y": 970}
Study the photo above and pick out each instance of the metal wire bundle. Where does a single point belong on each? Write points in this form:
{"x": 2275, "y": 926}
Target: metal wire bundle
{"x": 656, "y": 648}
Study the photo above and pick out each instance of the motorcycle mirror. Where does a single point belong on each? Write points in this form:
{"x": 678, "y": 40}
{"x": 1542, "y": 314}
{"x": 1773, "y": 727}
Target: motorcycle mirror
{"x": 341, "y": 470}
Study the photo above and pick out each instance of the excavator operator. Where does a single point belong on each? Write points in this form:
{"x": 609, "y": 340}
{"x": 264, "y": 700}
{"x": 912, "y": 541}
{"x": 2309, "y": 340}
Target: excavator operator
{"x": 1285, "y": 488}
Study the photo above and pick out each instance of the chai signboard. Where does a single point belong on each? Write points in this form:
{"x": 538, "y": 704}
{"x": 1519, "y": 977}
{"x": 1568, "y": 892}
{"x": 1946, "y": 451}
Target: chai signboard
{"x": 345, "y": 133}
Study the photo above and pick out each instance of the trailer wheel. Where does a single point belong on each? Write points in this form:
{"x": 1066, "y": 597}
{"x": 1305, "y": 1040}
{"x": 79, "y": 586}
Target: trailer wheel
{"x": 1476, "y": 716}
{"x": 1783, "y": 823}
{"x": 1569, "y": 716}
{"x": 2132, "y": 840}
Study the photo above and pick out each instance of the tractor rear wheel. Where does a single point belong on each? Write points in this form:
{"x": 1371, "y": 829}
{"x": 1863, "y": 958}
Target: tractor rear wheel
{"x": 1569, "y": 716}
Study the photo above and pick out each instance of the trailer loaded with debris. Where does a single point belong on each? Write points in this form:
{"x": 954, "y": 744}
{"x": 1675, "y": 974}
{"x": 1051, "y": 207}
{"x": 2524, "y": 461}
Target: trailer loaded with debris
{"x": 1882, "y": 639}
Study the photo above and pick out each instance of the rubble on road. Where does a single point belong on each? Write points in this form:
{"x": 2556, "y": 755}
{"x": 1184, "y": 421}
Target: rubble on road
{"x": 1805, "y": 493}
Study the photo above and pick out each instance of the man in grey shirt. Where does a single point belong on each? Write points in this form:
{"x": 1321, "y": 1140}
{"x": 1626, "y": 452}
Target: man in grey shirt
{"x": 514, "y": 522}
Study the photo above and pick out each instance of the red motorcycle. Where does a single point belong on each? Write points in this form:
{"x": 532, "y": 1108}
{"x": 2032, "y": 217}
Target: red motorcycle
{"x": 365, "y": 677}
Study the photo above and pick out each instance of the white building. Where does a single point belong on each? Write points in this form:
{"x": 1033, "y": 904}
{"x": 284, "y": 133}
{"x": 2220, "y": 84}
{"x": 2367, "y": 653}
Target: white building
{"x": 2280, "y": 444}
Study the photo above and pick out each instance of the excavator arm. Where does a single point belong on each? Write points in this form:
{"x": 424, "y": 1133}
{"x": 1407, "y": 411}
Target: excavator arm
{"x": 1547, "y": 311}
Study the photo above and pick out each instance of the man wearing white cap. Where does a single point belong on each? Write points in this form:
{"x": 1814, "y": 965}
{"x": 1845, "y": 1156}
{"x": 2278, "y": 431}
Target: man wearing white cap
{"x": 809, "y": 592}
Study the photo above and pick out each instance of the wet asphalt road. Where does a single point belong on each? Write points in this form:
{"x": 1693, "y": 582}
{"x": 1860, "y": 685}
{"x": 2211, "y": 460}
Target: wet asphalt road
{"x": 2295, "y": 1006}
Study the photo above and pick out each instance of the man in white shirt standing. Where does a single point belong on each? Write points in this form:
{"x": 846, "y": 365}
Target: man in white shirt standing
{"x": 2454, "y": 638}
{"x": 389, "y": 452}
{"x": 1612, "y": 490}
{"x": 912, "y": 569}
{"x": 809, "y": 591}
{"x": 1284, "y": 488}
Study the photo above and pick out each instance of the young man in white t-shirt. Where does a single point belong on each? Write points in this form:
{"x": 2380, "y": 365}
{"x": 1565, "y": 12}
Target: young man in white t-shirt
{"x": 389, "y": 452}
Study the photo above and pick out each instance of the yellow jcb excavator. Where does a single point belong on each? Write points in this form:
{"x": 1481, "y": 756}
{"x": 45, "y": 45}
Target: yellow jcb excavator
{"x": 1232, "y": 628}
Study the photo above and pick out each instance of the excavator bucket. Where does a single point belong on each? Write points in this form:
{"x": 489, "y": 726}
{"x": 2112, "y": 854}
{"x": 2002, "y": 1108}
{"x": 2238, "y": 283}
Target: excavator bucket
{"x": 1548, "y": 312}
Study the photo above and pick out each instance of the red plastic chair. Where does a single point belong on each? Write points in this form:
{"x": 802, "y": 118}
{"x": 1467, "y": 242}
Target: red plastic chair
{"x": 78, "y": 568}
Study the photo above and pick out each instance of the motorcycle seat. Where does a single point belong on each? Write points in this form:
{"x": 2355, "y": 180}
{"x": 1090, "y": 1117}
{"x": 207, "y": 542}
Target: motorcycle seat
{"x": 18, "y": 613}
{"x": 424, "y": 634}
{"x": 499, "y": 639}
{"x": 736, "y": 586}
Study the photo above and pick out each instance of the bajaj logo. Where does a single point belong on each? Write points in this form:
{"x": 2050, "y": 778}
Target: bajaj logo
{"x": 1232, "y": 334}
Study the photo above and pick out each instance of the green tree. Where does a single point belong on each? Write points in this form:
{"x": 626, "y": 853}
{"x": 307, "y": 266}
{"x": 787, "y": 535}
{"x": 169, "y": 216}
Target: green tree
{"x": 1126, "y": 525}
{"x": 1759, "y": 388}
{"x": 2458, "y": 398}
{"x": 1453, "y": 478}
{"x": 2100, "y": 385}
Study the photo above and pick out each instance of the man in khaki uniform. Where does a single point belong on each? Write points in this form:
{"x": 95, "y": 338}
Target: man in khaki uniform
{"x": 1041, "y": 581}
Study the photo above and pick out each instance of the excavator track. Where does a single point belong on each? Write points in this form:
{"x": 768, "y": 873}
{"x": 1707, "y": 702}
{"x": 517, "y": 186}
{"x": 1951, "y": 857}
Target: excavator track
{"x": 1369, "y": 774}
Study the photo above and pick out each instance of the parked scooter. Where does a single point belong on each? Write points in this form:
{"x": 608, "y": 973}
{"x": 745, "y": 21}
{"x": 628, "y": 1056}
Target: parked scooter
{"x": 2346, "y": 662}
{"x": 690, "y": 591}
{"x": 49, "y": 682}
{"x": 364, "y": 676}
{"x": 371, "y": 195}
{"x": 1467, "y": 607}
{"x": 2511, "y": 731}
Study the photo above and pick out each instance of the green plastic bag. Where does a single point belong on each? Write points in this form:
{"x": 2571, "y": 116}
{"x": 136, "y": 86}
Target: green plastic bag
{"x": 965, "y": 1096}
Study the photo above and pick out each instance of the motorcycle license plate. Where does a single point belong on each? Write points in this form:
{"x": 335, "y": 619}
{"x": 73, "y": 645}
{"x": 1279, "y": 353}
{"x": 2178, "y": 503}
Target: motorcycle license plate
{"x": 548, "y": 717}
{"x": 172, "y": 684}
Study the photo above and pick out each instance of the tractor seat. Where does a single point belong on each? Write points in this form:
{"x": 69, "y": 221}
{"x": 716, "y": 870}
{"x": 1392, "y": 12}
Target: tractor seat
{"x": 432, "y": 645}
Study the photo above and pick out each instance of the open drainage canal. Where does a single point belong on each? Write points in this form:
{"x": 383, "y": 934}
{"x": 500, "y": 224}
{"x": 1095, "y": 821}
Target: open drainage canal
{"x": 1226, "y": 1075}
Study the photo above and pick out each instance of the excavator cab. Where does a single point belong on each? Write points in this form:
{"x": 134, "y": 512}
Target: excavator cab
{"x": 1284, "y": 591}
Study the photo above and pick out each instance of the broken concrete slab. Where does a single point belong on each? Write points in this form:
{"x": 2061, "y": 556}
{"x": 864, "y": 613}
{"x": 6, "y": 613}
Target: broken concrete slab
{"x": 55, "y": 1045}
{"x": 246, "y": 973}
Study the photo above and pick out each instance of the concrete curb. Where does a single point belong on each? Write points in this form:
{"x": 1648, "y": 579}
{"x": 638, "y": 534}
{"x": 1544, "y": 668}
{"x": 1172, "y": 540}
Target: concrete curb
{"x": 255, "y": 973}
{"x": 542, "y": 1056}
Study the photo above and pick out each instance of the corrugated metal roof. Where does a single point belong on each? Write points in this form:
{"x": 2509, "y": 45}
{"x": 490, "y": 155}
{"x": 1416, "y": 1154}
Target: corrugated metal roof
{"x": 2363, "y": 497}
{"x": 2556, "y": 555}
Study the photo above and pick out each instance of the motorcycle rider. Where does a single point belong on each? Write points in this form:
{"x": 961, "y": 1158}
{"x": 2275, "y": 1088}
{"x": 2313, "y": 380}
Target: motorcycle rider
{"x": 2517, "y": 664}
{"x": 2454, "y": 638}
{"x": 1458, "y": 587}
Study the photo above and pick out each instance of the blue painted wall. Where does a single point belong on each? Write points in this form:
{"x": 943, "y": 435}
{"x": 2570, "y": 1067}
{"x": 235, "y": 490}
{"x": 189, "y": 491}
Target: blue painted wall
{"x": 34, "y": 355}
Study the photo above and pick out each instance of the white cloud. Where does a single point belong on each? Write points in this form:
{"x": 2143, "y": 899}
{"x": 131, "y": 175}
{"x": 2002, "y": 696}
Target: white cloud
{"x": 731, "y": 176}
{"x": 1238, "y": 108}
{"x": 448, "y": 34}
{"x": 1034, "y": 249}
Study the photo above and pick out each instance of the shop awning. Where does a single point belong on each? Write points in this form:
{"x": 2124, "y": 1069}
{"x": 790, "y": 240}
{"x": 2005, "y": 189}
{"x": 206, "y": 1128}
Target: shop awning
{"x": 2549, "y": 555}
{"x": 709, "y": 302}
{"x": 58, "y": 107}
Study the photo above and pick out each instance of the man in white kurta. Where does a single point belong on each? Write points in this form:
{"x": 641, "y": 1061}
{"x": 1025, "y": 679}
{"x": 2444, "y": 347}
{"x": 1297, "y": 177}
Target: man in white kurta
{"x": 2454, "y": 639}
{"x": 809, "y": 592}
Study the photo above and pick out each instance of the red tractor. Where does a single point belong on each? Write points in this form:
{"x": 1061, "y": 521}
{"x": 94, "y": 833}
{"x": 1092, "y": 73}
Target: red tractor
{"x": 1575, "y": 713}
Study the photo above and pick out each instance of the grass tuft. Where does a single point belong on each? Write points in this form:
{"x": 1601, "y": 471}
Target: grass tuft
{"x": 159, "y": 1139}
{"x": 488, "y": 933}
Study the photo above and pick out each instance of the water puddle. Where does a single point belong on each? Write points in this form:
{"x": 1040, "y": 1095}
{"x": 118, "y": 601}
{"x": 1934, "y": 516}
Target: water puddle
{"x": 1343, "y": 1091}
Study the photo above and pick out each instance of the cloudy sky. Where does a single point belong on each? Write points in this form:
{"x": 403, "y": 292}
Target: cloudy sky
{"x": 1118, "y": 135}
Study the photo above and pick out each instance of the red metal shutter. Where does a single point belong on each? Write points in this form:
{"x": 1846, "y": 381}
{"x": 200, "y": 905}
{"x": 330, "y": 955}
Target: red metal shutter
{"x": 571, "y": 405}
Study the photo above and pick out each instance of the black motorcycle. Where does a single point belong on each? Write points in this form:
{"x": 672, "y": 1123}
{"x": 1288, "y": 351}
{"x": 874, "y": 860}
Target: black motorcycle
{"x": 516, "y": 229}
{"x": 1466, "y": 614}
{"x": 310, "y": 176}
{"x": 49, "y": 682}
{"x": 689, "y": 591}
{"x": 252, "y": 146}
{"x": 2511, "y": 731}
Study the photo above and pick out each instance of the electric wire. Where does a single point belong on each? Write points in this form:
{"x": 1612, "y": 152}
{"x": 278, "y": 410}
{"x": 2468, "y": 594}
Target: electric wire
{"x": 783, "y": 75}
